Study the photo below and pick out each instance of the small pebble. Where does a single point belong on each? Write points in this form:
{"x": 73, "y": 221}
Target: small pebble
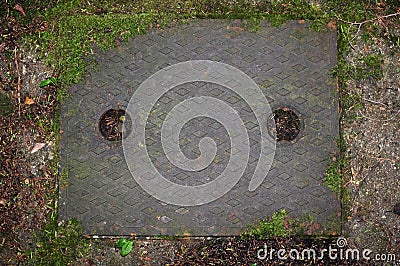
{"x": 396, "y": 209}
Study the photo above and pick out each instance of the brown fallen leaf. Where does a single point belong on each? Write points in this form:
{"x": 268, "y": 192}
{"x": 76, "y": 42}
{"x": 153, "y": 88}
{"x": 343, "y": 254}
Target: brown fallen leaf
{"x": 381, "y": 4}
{"x": 286, "y": 222}
{"x": 37, "y": 147}
{"x": 332, "y": 24}
{"x": 301, "y": 21}
{"x": 237, "y": 29}
{"x": 19, "y": 8}
{"x": 29, "y": 101}
{"x": 2, "y": 46}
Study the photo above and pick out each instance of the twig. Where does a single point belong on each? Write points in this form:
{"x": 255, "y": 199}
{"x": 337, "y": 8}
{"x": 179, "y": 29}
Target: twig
{"x": 19, "y": 82}
{"x": 360, "y": 24}
{"x": 379, "y": 159}
{"x": 381, "y": 120}
{"x": 369, "y": 20}
{"x": 376, "y": 102}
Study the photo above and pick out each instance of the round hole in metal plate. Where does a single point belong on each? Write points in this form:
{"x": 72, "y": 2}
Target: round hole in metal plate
{"x": 110, "y": 124}
{"x": 287, "y": 124}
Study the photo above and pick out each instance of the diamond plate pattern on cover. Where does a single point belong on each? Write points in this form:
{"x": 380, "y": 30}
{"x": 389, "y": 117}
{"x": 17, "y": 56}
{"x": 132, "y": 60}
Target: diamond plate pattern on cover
{"x": 291, "y": 64}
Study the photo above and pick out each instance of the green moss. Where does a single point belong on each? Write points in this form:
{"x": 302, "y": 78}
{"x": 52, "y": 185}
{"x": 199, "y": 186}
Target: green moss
{"x": 281, "y": 225}
{"x": 166, "y": 237}
{"x": 334, "y": 171}
{"x": 74, "y": 37}
{"x": 58, "y": 245}
{"x": 333, "y": 177}
{"x": 76, "y": 26}
{"x": 269, "y": 228}
{"x": 369, "y": 66}
{"x": 345, "y": 71}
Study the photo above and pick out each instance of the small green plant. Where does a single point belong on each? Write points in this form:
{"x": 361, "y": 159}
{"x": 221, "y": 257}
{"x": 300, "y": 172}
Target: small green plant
{"x": 333, "y": 177}
{"x": 272, "y": 227}
{"x": 125, "y": 246}
{"x": 166, "y": 237}
{"x": 369, "y": 66}
{"x": 47, "y": 82}
{"x": 59, "y": 245}
{"x": 334, "y": 171}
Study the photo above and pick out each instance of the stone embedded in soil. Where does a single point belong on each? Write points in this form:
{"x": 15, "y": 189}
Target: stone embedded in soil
{"x": 396, "y": 209}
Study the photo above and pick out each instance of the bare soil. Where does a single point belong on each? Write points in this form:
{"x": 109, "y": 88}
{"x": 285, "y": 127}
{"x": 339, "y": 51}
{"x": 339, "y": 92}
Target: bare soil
{"x": 373, "y": 139}
{"x": 28, "y": 181}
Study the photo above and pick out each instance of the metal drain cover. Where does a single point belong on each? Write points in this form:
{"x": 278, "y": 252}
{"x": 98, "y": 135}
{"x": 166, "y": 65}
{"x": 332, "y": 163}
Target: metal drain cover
{"x": 116, "y": 195}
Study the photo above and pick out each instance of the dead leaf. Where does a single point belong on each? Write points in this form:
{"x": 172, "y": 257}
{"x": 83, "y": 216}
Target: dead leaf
{"x": 2, "y": 46}
{"x": 237, "y": 29}
{"x": 301, "y": 21}
{"x": 312, "y": 228}
{"x": 286, "y": 222}
{"x": 19, "y": 8}
{"x": 29, "y": 101}
{"x": 381, "y": 5}
{"x": 37, "y": 147}
{"x": 332, "y": 24}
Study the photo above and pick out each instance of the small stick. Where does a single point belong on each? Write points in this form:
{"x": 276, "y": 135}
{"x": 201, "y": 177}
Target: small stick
{"x": 380, "y": 120}
{"x": 19, "y": 82}
{"x": 376, "y": 102}
{"x": 360, "y": 24}
{"x": 370, "y": 20}
{"x": 382, "y": 159}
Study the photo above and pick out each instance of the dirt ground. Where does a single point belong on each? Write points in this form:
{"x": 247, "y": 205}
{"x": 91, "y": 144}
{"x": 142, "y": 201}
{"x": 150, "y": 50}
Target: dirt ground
{"x": 373, "y": 139}
{"x": 28, "y": 162}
